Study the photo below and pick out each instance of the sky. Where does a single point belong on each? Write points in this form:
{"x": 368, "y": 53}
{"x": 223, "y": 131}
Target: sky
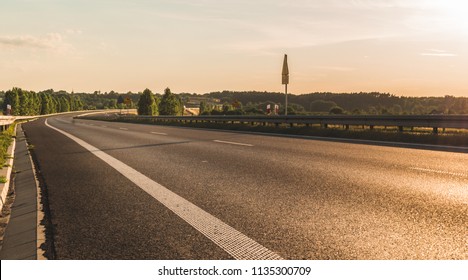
{"x": 403, "y": 47}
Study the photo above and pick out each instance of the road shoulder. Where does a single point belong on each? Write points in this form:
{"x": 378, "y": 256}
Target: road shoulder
{"x": 21, "y": 236}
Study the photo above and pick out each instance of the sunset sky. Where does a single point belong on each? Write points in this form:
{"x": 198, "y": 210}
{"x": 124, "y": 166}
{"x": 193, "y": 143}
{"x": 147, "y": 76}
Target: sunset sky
{"x": 404, "y": 47}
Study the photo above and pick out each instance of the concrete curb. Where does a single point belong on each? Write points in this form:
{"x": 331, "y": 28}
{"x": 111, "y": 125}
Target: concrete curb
{"x": 7, "y": 172}
{"x": 40, "y": 228}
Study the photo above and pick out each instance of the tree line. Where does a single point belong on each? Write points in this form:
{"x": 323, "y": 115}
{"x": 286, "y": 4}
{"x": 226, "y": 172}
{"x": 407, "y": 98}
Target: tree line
{"x": 373, "y": 103}
{"x": 23, "y": 102}
{"x": 29, "y": 103}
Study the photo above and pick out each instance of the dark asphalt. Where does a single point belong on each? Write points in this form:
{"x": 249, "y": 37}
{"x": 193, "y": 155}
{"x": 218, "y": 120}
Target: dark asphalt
{"x": 304, "y": 199}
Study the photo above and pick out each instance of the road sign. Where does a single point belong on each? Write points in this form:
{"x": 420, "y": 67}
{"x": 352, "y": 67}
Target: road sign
{"x": 285, "y": 80}
{"x": 285, "y": 72}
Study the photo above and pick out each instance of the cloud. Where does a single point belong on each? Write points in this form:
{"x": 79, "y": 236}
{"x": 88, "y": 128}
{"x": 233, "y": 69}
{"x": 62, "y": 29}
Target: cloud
{"x": 439, "y": 53}
{"x": 52, "y": 41}
{"x": 74, "y": 31}
{"x": 337, "y": 68}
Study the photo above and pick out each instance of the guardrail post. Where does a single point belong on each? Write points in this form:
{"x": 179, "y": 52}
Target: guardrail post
{"x": 400, "y": 128}
{"x": 347, "y": 127}
{"x": 371, "y": 127}
{"x": 435, "y": 130}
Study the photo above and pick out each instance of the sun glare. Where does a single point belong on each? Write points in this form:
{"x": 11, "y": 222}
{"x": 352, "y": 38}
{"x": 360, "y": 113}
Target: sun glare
{"x": 454, "y": 14}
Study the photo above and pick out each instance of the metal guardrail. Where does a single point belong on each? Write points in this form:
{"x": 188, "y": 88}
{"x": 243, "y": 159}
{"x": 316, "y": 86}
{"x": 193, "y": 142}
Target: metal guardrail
{"x": 5, "y": 121}
{"x": 430, "y": 121}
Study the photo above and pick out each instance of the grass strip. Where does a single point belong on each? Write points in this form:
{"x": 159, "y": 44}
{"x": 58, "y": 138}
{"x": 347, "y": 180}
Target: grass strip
{"x": 6, "y": 137}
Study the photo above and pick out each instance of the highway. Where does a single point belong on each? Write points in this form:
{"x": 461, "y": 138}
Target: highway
{"x": 134, "y": 191}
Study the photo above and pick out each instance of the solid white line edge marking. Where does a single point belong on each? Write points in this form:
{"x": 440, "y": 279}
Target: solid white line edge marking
{"x": 158, "y": 133}
{"x": 234, "y": 242}
{"x": 233, "y": 143}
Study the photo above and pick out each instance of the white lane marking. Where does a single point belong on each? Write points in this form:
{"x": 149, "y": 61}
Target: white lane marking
{"x": 439, "y": 171}
{"x": 123, "y": 128}
{"x": 158, "y": 133}
{"x": 103, "y": 126}
{"x": 62, "y": 120}
{"x": 234, "y": 242}
{"x": 233, "y": 143}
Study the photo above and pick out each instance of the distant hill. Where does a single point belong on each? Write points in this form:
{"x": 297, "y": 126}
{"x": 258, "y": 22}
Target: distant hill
{"x": 357, "y": 103}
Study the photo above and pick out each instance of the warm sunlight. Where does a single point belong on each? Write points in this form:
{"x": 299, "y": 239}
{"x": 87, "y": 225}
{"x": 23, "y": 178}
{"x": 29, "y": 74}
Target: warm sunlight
{"x": 415, "y": 48}
{"x": 454, "y": 14}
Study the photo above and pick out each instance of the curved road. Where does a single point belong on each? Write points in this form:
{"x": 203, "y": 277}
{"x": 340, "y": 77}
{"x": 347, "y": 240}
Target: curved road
{"x": 294, "y": 198}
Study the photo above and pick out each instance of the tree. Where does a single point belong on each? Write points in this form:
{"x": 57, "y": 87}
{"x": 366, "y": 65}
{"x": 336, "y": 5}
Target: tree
{"x": 147, "y": 104}
{"x": 204, "y": 108}
{"x": 170, "y": 104}
{"x": 12, "y": 98}
{"x": 75, "y": 102}
{"x": 226, "y": 108}
{"x": 321, "y": 106}
{"x": 26, "y": 105}
{"x": 120, "y": 102}
{"x": 64, "y": 104}
{"x": 336, "y": 110}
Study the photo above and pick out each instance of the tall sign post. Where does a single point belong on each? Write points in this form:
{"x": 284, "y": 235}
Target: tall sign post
{"x": 285, "y": 81}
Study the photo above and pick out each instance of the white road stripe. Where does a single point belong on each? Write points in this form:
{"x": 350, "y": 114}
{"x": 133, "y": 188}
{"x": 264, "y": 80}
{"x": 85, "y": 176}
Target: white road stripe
{"x": 123, "y": 128}
{"x": 233, "y": 143}
{"x": 158, "y": 133}
{"x": 439, "y": 171}
{"x": 228, "y": 238}
{"x": 103, "y": 126}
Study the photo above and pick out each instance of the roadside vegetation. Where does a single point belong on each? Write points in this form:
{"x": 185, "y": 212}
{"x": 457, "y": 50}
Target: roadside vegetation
{"x": 324, "y": 103}
{"x": 22, "y": 102}
{"x": 6, "y": 137}
{"x": 25, "y": 102}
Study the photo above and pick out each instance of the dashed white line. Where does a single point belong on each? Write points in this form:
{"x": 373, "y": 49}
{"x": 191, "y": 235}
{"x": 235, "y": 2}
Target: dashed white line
{"x": 123, "y": 128}
{"x": 158, "y": 133}
{"x": 439, "y": 171}
{"x": 103, "y": 126}
{"x": 228, "y": 238}
{"x": 233, "y": 143}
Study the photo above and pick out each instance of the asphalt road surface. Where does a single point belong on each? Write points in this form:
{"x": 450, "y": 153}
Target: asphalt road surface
{"x": 117, "y": 195}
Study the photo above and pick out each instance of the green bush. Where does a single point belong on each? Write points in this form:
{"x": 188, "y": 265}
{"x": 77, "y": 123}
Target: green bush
{"x": 5, "y": 141}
